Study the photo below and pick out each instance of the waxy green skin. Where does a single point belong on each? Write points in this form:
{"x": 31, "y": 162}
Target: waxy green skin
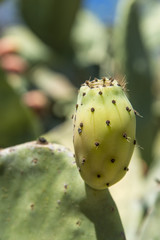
{"x": 43, "y": 197}
{"x": 104, "y": 133}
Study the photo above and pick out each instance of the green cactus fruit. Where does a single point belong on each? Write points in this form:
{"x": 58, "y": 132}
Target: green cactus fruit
{"x": 43, "y": 197}
{"x": 104, "y": 132}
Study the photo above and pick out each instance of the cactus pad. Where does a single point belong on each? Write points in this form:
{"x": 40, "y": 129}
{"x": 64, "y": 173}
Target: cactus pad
{"x": 104, "y": 132}
{"x": 43, "y": 197}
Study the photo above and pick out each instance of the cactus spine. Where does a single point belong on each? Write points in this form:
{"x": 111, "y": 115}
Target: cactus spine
{"x": 104, "y": 132}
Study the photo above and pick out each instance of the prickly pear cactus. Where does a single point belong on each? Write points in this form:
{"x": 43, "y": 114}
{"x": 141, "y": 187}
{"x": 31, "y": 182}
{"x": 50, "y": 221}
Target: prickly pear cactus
{"x": 51, "y": 18}
{"x": 104, "y": 132}
{"x": 42, "y": 196}
{"x": 132, "y": 48}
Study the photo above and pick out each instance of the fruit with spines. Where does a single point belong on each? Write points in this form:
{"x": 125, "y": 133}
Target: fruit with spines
{"x": 107, "y": 139}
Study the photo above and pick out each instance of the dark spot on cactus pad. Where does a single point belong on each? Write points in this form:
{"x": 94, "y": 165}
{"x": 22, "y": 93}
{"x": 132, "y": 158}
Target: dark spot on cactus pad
{"x": 32, "y": 206}
{"x": 128, "y": 109}
{"x": 79, "y": 130}
{"x": 100, "y": 92}
{"x": 96, "y": 79}
{"x": 104, "y": 79}
{"x": 134, "y": 142}
{"x": 98, "y": 175}
{"x": 42, "y": 140}
{"x": 84, "y": 94}
{"x": 125, "y": 135}
{"x": 107, "y": 184}
{"x": 81, "y": 124}
{"x": 104, "y": 85}
{"x": 83, "y": 160}
{"x": 119, "y": 85}
{"x": 126, "y": 168}
{"x": 81, "y": 104}
{"x": 97, "y": 144}
{"x": 35, "y": 160}
{"x": 72, "y": 116}
{"x": 79, "y": 169}
{"x": 111, "y": 84}
{"x": 78, "y": 223}
{"x": 76, "y": 106}
{"x": 92, "y": 109}
{"x": 135, "y": 112}
{"x": 65, "y": 186}
{"x": 74, "y": 155}
{"x": 114, "y": 101}
{"x": 108, "y": 122}
{"x": 87, "y": 82}
{"x": 112, "y": 209}
{"x": 113, "y": 160}
{"x": 111, "y": 79}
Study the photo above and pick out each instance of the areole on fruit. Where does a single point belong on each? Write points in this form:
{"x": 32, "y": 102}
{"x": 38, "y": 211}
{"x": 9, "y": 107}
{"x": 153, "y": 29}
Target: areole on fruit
{"x": 104, "y": 132}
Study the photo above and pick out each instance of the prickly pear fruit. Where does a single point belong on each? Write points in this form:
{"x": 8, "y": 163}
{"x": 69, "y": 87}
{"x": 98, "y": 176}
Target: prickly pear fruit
{"x": 104, "y": 132}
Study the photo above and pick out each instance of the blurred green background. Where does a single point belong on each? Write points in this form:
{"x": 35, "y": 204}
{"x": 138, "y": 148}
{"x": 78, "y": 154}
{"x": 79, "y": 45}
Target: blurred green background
{"x": 49, "y": 48}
